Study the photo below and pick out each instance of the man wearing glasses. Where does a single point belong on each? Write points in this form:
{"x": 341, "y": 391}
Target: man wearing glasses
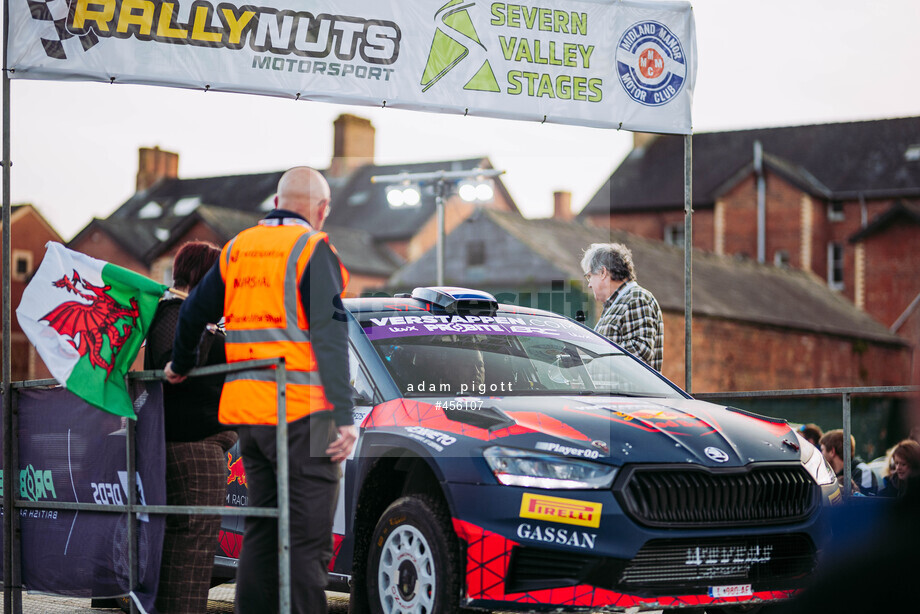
{"x": 631, "y": 317}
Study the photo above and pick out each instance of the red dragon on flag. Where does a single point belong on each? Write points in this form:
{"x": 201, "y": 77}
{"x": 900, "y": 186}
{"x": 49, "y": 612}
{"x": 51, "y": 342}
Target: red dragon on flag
{"x": 87, "y": 325}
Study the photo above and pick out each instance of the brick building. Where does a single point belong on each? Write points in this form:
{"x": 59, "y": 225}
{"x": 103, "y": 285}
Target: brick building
{"x": 755, "y": 326}
{"x": 793, "y": 196}
{"x": 29, "y": 231}
{"x": 890, "y": 243}
{"x": 816, "y": 186}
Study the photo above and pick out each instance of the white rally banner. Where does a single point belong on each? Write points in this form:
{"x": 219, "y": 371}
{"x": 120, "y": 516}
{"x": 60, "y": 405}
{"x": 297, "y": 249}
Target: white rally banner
{"x": 622, "y": 64}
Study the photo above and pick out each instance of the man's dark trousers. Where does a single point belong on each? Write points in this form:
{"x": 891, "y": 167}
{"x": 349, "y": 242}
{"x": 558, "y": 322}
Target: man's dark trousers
{"x": 314, "y": 483}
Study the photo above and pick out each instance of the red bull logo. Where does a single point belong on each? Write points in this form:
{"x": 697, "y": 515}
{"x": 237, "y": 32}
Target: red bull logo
{"x": 237, "y": 472}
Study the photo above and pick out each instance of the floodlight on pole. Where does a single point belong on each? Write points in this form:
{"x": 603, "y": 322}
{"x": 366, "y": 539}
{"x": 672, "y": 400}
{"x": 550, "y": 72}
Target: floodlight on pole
{"x": 404, "y": 191}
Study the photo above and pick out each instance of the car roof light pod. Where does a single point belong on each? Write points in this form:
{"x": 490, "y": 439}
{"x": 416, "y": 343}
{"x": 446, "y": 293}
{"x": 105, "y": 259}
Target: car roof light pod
{"x": 453, "y": 300}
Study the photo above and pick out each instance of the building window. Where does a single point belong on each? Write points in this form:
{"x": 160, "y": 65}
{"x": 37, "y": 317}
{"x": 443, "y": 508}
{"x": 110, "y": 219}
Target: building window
{"x": 674, "y": 235}
{"x": 835, "y": 212}
{"x": 781, "y": 258}
{"x": 475, "y": 253}
{"x": 22, "y": 264}
{"x": 835, "y": 266}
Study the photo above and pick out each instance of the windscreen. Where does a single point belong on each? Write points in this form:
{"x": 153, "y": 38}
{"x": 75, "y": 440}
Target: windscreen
{"x": 506, "y": 356}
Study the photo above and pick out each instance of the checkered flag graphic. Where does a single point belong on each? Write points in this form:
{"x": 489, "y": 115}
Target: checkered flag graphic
{"x": 56, "y": 39}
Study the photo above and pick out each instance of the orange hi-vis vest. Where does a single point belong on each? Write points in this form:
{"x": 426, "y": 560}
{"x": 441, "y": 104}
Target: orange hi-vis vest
{"x": 264, "y": 317}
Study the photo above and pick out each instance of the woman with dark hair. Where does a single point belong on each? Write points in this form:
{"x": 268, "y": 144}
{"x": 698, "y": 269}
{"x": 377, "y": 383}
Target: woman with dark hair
{"x": 906, "y": 464}
{"x": 196, "y": 445}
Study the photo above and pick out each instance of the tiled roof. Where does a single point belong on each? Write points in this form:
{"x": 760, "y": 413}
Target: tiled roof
{"x": 840, "y": 161}
{"x": 723, "y": 287}
{"x": 147, "y": 223}
{"x": 909, "y": 212}
{"x": 361, "y": 254}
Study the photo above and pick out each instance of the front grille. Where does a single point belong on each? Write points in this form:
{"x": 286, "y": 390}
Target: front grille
{"x": 675, "y": 496}
{"x": 767, "y": 562}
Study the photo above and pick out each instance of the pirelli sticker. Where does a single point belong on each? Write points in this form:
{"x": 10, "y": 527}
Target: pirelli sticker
{"x": 557, "y": 509}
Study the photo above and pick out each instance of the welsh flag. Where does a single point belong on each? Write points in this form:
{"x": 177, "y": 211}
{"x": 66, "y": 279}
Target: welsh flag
{"x": 87, "y": 319}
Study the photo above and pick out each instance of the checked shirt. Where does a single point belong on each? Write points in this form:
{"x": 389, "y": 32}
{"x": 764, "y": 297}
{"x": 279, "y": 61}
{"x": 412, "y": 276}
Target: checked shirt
{"x": 632, "y": 319}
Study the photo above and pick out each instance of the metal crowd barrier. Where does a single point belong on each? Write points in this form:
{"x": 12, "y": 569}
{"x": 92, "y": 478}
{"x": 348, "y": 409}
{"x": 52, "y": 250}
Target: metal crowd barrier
{"x": 845, "y": 398}
{"x": 11, "y": 503}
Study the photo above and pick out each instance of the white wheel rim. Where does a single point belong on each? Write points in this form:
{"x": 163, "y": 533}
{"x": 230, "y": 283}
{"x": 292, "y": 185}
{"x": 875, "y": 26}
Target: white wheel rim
{"x": 406, "y": 580}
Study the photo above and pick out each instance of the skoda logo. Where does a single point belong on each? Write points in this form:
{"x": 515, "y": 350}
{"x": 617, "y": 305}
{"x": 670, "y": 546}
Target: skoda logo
{"x": 716, "y": 454}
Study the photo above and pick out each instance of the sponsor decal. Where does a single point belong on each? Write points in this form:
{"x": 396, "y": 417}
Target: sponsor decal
{"x": 652, "y": 419}
{"x": 236, "y": 471}
{"x": 716, "y": 454}
{"x": 116, "y": 493}
{"x": 728, "y": 555}
{"x": 558, "y": 509}
{"x": 651, "y": 63}
{"x": 39, "y": 514}
{"x": 410, "y": 326}
{"x": 34, "y": 484}
{"x": 107, "y": 493}
{"x": 567, "y": 450}
{"x": 557, "y": 535}
{"x": 237, "y": 500}
{"x": 433, "y": 439}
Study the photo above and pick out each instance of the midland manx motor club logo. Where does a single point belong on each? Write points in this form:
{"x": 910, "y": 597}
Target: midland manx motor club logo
{"x": 651, "y": 63}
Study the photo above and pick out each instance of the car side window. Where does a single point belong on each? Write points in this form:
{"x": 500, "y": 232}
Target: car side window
{"x": 360, "y": 380}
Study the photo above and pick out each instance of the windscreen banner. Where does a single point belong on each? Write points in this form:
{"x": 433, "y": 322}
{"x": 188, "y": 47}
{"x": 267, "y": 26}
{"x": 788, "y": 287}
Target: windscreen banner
{"x": 69, "y": 451}
{"x": 622, "y": 64}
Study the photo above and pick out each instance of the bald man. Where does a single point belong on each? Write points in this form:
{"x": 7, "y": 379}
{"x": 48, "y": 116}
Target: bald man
{"x": 264, "y": 274}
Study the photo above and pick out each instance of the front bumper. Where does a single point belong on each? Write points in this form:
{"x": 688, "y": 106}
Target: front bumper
{"x": 581, "y": 551}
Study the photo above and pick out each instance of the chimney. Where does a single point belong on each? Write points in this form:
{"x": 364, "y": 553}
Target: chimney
{"x": 641, "y": 140}
{"x": 155, "y": 164}
{"x": 562, "y": 206}
{"x": 352, "y": 144}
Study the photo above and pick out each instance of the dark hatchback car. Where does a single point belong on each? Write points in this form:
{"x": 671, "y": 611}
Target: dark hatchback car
{"x": 512, "y": 459}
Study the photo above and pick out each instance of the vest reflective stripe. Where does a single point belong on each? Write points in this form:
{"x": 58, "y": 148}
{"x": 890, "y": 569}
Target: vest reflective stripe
{"x": 297, "y": 378}
{"x": 226, "y": 257}
{"x": 275, "y": 257}
{"x": 291, "y": 330}
{"x": 263, "y": 335}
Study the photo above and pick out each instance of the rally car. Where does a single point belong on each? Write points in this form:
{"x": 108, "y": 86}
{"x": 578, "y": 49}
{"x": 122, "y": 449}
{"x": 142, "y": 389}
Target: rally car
{"x": 512, "y": 459}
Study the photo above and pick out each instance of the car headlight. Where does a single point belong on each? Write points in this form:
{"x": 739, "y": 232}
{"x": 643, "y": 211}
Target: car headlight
{"x": 514, "y": 467}
{"x": 815, "y": 462}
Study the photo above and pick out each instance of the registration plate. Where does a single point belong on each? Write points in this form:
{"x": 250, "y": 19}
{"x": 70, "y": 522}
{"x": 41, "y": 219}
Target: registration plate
{"x": 735, "y": 590}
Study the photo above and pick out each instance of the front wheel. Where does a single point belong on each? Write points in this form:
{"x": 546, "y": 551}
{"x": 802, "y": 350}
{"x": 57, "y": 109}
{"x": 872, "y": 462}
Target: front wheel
{"x": 413, "y": 563}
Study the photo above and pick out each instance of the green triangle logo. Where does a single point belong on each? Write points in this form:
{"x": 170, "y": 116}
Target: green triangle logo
{"x": 448, "y": 5}
{"x": 461, "y": 22}
{"x": 484, "y": 80}
{"x": 445, "y": 53}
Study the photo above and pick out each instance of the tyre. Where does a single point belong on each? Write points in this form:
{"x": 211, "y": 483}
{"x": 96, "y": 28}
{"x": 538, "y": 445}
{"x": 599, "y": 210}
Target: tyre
{"x": 413, "y": 561}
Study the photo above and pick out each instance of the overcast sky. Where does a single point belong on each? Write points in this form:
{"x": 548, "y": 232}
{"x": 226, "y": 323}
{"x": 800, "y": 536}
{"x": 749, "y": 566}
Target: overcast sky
{"x": 761, "y": 63}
